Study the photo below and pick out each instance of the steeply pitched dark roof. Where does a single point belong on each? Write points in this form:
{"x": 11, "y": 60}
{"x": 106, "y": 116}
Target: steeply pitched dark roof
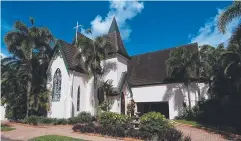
{"x": 113, "y": 26}
{"x": 69, "y": 51}
{"x": 150, "y": 68}
{"x": 115, "y": 40}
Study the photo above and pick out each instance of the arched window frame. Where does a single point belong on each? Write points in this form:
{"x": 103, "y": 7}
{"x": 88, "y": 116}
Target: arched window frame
{"x": 56, "y": 92}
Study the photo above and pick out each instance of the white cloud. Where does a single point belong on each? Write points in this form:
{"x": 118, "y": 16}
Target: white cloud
{"x": 123, "y": 11}
{"x": 2, "y": 55}
{"x": 209, "y": 33}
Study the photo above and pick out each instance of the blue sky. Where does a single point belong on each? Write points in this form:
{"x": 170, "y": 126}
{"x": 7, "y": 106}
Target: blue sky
{"x": 144, "y": 26}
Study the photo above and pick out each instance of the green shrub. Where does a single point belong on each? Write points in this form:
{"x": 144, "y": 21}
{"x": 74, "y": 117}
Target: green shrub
{"x": 46, "y": 120}
{"x": 61, "y": 121}
{"x": 152, "y": 123}
{"x": 172, "y": 134}
{"x": 32, "y": 120}
{"x": 110, "y": 119}
{"x": 83, "y": 117}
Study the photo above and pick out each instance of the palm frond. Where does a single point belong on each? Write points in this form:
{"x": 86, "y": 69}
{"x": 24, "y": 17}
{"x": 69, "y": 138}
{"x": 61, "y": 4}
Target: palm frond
{"x": 228, "y": 15}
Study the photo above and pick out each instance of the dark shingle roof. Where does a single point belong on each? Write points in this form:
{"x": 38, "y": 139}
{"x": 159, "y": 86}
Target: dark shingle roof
{"x": 69, "y": 51}
{"x": 115, "y": 40}
{"x": 150, "y": 68}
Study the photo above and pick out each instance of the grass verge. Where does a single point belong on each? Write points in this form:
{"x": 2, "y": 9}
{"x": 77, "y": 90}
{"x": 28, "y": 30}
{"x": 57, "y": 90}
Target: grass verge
{"x": 5, "y": 127}
{"x": 193, "y": 123}
{"x": 55, "y": 138}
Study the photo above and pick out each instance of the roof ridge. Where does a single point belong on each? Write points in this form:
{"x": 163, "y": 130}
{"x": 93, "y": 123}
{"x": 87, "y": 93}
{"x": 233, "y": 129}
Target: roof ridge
{"x": 183, "y": 45}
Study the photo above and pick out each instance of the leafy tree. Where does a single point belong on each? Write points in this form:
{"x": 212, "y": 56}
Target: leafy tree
{"x": 31, "y": 48}
{"x": 181, "y": 67}
{"x": 233, "y": 11}
{"x": 232, "y": 62}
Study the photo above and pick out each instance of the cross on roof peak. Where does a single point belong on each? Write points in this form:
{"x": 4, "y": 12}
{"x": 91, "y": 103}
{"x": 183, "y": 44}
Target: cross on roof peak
{"x": 76, "y": 31}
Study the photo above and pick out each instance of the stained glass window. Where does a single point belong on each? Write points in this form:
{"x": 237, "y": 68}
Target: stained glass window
{"x": 56, "y": 93}
{"x": 78, "y": 98}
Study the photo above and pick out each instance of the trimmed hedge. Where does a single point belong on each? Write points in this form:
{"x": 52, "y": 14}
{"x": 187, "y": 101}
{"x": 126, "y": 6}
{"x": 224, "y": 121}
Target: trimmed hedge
{"x": 83, "y": 117}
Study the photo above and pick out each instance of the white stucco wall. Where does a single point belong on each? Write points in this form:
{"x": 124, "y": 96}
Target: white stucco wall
{"x": 80, "y": 80}
{"x": 113, "y": 71}
{"x": 110, "y": 70}
{"x": 121, "y": 66}
{"x": 61, "y": 109}
{"x": 175, "y": 94}
{"x": 116, "y": 104}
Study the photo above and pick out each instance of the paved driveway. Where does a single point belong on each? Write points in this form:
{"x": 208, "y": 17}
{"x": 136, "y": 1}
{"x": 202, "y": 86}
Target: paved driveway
{"x": 203, "y": 135}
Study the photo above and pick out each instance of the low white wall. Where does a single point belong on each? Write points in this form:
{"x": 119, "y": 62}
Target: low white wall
{"x": 3, "y": 113}
{"x": 175, "y": 94}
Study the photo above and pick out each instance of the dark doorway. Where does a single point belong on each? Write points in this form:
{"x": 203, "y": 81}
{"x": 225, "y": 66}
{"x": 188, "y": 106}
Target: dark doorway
{"x": 145, "y": 107}
{"x": 122, "y": 103}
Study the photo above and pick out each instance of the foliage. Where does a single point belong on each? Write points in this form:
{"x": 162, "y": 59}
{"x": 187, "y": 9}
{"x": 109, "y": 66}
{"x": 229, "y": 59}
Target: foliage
{"x": 104, "y": 91}
{"x": 232, "y": 12}
{"x": 93, "y": 51}
{"x": 23, "y": 74}
{"x": 110, "y": 119}
{"x": 110, "y": 125}
{"x": 131, "y": 108}
{"x": 153, "y": 122}
{"x": 5, "y": 127}
{"x": 181, "y": 67}
{"x": 32, "y": 120}
{"x": 172, "y": 134}
{"x": 83, "y": 117}
{"x": 215, "y": 113}
{"x": 54, "y": 138}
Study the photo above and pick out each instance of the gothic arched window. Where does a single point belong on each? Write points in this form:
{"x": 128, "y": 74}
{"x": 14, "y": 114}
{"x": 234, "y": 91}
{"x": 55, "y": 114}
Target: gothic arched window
{"x": 56, "y": 93}
{"x": 78, "y": 98}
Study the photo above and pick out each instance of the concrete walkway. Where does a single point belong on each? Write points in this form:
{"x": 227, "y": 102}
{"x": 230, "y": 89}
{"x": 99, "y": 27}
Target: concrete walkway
{"x": 26, "y": 132}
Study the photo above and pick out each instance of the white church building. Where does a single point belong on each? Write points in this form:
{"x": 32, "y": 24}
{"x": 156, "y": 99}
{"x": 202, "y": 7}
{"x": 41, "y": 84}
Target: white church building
{"x": 140, "y": 78}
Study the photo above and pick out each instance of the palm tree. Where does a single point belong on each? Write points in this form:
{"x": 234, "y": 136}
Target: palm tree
{"x": 233, "y": 11}
{"x": 28, "y": 44}
{"x": 106, "y": 89}
{"x": 180, "y": 67}
{"x": 92, "y": 52}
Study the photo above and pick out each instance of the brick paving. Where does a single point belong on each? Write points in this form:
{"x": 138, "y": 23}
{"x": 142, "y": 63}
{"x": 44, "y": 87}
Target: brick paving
{"x": 26, "y": 132}
{"x": 197, "y": 134}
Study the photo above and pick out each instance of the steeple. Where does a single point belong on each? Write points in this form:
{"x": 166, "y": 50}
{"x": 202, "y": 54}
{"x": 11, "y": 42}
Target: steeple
{"x": 114, "y": 26}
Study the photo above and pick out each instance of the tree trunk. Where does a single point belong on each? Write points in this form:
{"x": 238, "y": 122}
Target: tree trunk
{"x": 189, "y": 98}
{"x": 28, "y": 97}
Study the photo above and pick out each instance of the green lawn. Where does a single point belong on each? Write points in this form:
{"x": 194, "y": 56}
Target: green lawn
{"x": 193, "y": 123}
{"x": 54, "y": 138}
{"x": 6, "y": 127}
